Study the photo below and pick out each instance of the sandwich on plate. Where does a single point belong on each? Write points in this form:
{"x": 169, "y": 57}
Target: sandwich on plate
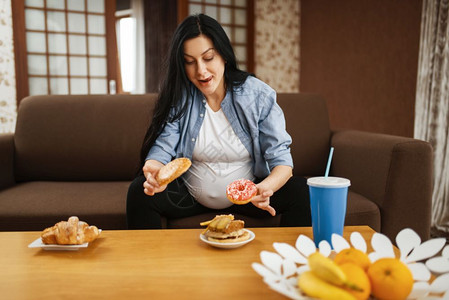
{"x": 224, "y": 229}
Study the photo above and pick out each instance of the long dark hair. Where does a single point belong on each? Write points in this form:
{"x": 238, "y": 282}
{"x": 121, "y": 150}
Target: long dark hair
{"x": 175, "y": 83}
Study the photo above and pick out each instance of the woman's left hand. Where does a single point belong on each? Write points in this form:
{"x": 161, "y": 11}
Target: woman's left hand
{"x": 262, "y": 199}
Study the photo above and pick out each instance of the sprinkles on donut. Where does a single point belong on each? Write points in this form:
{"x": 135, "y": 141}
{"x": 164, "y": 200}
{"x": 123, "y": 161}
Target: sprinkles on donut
{"x": 241, "y": 191}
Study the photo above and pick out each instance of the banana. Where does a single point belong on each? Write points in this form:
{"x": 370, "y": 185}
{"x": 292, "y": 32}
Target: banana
{"x": 315, "y": 287}
{"x": 326, "y": 269}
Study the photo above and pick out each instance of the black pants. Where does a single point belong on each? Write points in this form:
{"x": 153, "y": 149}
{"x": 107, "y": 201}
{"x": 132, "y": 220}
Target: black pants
{"x": 144, "y": 212}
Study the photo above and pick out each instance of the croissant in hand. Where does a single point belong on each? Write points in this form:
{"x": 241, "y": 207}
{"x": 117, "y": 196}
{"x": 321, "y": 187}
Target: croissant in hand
{"x": 71, "y": 232}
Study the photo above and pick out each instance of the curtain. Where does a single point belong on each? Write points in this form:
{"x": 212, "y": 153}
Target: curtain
{"x": 432, "y": 104}
{"x": 7, "y": 71}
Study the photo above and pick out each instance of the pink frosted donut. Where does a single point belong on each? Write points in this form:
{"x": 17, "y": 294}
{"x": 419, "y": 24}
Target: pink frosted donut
{"x": 241, "y": 191}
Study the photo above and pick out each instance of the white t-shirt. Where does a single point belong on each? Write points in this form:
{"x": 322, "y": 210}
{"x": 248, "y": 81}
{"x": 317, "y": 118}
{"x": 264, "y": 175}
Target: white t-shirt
{"x": 219, "y": 157}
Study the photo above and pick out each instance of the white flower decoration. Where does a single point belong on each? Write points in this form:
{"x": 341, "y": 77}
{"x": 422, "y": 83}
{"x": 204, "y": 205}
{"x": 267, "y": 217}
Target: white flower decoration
{"x": 280, "y": 270}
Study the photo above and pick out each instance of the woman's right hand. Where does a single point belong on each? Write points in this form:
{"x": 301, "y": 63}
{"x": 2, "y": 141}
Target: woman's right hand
{"x": 150, "y": 185}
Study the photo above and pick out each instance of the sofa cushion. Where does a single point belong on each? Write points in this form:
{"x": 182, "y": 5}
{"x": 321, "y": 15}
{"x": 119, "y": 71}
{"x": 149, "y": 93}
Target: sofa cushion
{"x": 39, "y": 204}
{"x": 80, "y": 137}
{"x": 360, "y": 211}
{"x": 104, "y": 205}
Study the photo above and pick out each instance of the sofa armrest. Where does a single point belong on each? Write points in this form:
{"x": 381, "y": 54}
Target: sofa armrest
{"x": 395, "y": 172}
{"x": 6, "y": 160}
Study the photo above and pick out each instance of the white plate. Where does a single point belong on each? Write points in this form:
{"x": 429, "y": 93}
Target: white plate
{"x": 38, "y": 244}
{"x": 229, "y": 245}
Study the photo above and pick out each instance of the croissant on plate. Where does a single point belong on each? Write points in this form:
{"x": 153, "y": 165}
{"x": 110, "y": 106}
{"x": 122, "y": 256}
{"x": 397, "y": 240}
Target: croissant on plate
{"x": 71, "y": 232}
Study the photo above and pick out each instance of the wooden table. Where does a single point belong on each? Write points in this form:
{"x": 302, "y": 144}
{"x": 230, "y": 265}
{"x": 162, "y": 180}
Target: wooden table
{"x": 144, "y": 264}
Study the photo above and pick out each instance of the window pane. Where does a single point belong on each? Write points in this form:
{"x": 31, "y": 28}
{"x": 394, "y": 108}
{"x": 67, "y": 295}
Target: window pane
{"x": 36, "y": 3}
{"x": 97, "y": 66}
{"x": 211, "y": 11}
{"x": 240, "y": 17}
{"x": 76, "y": 22}
{"x": 97, "y": 45}
{"x": 58, "y": 4}
{"x": 226, "y": 2}
{"x": 75, "y": 5}
{"x": 59, "y": 86}
{"x": 36, "y": 42}
{"x": 228, "y": 31}
{"x": 58, "y": 65}
{"x": 77, "y": 44}
{"x": 57, "y": 43}
{"x": 98, "y": 86}
{"x": 78, "y": 66}
{"x": 55, "y": 21}
{"x": 126, "y": 50}
{"x": 240, "y": 35}
{"x": 95, "y": 6}
{"x": 241, "y": 3}
{"x": 95, "y": 24}
{"x": 78, "y": 86}
{"x": 34, "y": 19}
{"x": 211, "y": 1}
{"x": 240, "y": 53}
{"x": 37, "y": 65}
{"x": 38, "y": 86}
{"x": 195, "y": 9}
{"x": 225, "y": 15}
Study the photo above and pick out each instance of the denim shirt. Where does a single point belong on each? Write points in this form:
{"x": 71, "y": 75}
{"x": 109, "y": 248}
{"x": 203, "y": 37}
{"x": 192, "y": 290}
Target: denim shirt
{"x": 255, "y": 117}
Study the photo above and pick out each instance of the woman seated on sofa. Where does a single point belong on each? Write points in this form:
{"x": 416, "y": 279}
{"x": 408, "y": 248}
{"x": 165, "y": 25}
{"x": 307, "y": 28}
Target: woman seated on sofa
{"x": 228, "y": 123}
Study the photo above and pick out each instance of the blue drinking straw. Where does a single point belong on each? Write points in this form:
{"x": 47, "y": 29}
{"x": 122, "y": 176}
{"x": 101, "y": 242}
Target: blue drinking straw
{"x": 329, "y": 162}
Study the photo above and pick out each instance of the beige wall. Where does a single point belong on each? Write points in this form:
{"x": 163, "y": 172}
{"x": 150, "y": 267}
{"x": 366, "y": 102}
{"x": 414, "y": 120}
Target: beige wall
{"x": 7, "y": 70}
{"x": 277, "y": 43}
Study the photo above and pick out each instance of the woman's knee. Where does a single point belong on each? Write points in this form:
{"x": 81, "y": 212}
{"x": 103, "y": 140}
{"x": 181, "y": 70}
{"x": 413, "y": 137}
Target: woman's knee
{"x": 295, "y": 193}
{"x": 135, "y": 189}
{"x": 296, "y": 184}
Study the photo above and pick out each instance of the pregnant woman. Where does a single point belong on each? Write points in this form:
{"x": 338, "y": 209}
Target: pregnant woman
{"x": 227, "y": 122}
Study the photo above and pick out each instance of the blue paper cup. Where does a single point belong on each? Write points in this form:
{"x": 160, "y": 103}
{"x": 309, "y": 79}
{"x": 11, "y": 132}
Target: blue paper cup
{"x": 328, "y": 198}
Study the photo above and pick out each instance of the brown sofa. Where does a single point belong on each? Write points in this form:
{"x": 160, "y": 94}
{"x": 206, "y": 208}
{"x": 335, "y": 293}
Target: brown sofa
{"x": 76, "y": 155}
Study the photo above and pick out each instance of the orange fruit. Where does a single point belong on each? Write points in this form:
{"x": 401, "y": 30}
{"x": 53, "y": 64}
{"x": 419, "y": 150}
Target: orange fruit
{"x": 353, "y": 255}
{"x": 390, "y": 279}
{"x": 360, "y": 286}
